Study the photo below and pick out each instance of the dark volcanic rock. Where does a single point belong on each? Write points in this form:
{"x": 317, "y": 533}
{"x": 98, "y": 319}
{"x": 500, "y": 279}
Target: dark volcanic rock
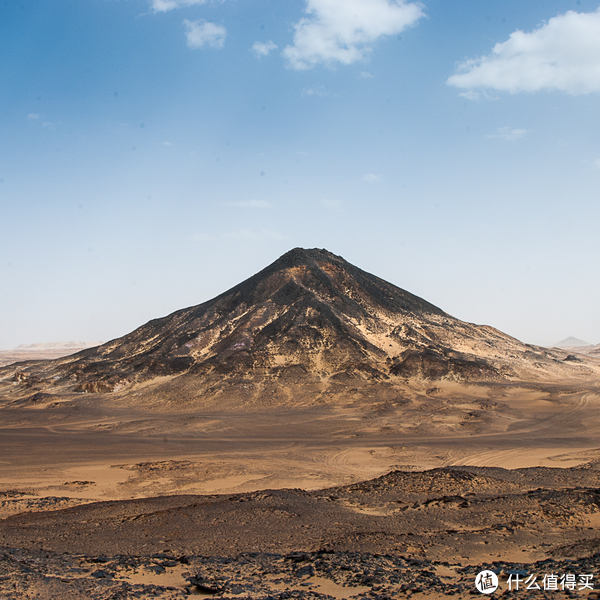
{"x": 426, "y": 513}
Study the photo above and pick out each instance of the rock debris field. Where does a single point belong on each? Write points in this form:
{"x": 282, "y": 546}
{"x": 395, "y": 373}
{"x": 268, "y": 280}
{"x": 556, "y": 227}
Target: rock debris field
{"x": 405, "y": 534}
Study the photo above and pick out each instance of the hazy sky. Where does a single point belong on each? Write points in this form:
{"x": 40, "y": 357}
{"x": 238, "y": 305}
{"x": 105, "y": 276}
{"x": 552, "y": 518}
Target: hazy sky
{"x": 154, "y": 153}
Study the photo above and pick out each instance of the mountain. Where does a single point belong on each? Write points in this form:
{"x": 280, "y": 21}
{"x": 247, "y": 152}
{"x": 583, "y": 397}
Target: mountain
{"x": 309, "y": 327}
{"x": 571, "y": 342}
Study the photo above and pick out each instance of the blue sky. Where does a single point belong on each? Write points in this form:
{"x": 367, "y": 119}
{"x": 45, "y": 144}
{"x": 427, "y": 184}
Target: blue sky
{"x": 153, "y": 153}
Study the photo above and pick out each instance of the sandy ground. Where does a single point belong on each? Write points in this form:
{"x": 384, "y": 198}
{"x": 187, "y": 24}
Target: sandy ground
{"x": 95, "y": 448}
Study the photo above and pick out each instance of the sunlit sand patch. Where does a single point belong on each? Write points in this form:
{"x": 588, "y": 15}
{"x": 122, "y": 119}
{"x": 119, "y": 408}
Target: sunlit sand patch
{"x": 148, "y": 575}
{"x": 383, "y": 510}
{"x": 321, "y": 585}
{"x": 516, "y": 458}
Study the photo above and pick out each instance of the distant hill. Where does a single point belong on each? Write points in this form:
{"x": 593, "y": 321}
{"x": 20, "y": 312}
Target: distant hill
{"x": 571, "y": 342}
{"x": 51, "y": 346}
{"x": 47, "y": 351}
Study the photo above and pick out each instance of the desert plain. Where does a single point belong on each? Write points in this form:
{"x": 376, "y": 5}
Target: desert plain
{"x": 314, "y": 432}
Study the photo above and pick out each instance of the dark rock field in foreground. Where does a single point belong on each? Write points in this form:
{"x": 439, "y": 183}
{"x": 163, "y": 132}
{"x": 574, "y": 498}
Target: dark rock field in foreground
{"x": 403, "y": 534}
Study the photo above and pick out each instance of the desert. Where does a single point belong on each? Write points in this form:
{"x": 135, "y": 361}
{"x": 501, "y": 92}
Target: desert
{"x": 314, "y": 432}
{"x": 299, "y": 299}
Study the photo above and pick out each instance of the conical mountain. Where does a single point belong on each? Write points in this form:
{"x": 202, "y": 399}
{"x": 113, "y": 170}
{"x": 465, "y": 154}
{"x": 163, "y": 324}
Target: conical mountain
{"x": 572, "y": 342}
{"x": 310, "y": 324}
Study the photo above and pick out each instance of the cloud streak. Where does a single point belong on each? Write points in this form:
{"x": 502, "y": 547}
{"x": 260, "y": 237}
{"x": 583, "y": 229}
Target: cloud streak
{"x": 343, "y": 31}
{"x": 562, "y": 54}
{"x": 508, "y": 133}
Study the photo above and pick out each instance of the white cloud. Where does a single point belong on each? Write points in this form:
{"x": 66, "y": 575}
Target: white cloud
{"x": 33, "y": 116}
{"x": 372, "y": 178}
{"x": 49, "y": 126}
{"x": 250, "y": 204}
{"x": 200, "y": 33}
{"x": 509, "y": 134}
{"x": 342, "y": 31}
{"x": 167, "y": 5}
{"x": 365, "y": 75}
{"x": 165, "y": 143}
{"x": 562, "y": 54}
{"x": 261, "y": 49}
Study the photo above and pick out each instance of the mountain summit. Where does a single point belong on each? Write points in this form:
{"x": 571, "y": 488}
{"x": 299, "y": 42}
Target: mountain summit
{"x": 310, "y": 320}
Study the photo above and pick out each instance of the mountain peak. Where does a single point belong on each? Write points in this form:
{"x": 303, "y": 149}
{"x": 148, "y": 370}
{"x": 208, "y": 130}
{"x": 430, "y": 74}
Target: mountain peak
{"x": 331, "y": 280}
{"x": 304, "y": 257}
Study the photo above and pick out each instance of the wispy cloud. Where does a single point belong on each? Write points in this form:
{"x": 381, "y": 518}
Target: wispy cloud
{"x": 371, "y": 178}
{"x": 508, "y": 133}
{"x": 203, "y": 33}
{"x": 167, "y": 5}
{"x": 596, "y": 163}
{"x": 475, "y": 96}
{"x": 49, "y": 125}
{"x": 343, "y": 31}
{"x": 562, "y": 54}
{"x": 249, "y": 204}
{"x": 261, "y": 49}
{"x": 319, "y": 92}
{"x": 165, "y": 143}
{"x": 365, "y": 75}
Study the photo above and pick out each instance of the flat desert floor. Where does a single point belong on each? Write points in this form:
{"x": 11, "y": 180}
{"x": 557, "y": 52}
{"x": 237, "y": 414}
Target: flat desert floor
{"x": 92, "y": 447}
{"x": 59, "y": 457}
